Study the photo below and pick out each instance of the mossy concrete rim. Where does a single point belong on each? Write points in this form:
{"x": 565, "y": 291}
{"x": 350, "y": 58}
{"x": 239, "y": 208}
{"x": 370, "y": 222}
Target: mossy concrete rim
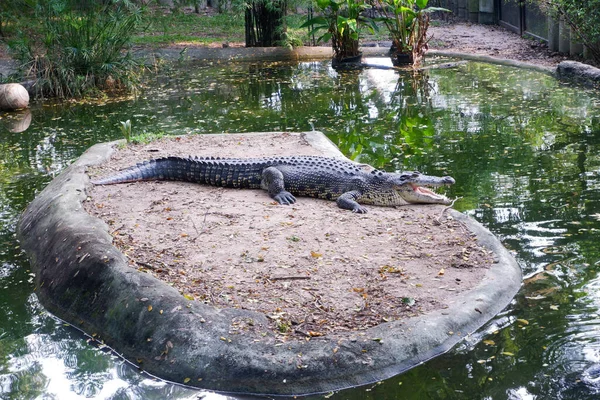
{"x": 83, "y": 279}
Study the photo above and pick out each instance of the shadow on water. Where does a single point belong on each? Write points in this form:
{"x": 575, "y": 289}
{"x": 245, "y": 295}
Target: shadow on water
{"x": 523, "y": 148}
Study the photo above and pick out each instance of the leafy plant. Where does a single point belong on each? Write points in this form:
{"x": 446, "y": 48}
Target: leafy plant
{"x": 77, "y": 47}
{"x": 265, "y": 22}
{"x": 126, "y": 130}
{"x": 583, "y": 16}
{"x": 341, "y": 22}
{"x": 407, "y": 22}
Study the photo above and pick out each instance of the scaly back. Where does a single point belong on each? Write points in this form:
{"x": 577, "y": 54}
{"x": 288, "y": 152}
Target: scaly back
{"x": 226, "y": 172}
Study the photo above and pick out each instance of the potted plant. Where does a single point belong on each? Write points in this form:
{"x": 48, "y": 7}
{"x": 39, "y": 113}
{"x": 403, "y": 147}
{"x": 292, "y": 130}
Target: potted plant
{"x": 341, "y": 21}
{"x": 407, "y": 22}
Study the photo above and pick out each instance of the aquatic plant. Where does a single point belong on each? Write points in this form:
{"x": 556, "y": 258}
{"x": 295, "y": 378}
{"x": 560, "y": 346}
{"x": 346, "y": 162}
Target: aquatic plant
{"x": 79, "y": 48}
{"x": 126, "y": 130}
{"x": 341, "y": 21}
{"x": 407, "y": 21}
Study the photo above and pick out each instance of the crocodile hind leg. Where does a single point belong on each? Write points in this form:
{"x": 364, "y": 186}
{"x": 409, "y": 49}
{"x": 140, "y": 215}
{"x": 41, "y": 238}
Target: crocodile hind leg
{"x": 348, "y": 201}
{"x": 272, "y": 181}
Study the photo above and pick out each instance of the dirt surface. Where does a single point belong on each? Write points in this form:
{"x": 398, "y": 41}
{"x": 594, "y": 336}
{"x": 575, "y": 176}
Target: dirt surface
{"x": 491, "y": 40}
{"x": 312, "y": 268}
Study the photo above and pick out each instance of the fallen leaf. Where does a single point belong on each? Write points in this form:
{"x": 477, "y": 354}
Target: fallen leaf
{"x": 149, "y": 308}
{"x": 489, "y": 342}
{"x": 389, "y": 269}
{"x": 523, "y": 321}
{"x": 314, "y": 254}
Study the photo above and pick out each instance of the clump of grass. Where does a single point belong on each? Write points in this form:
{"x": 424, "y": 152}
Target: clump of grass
{"x": 78, "y": 48}
{"x": 147, "y": 137}
{"x": 126, "y": 130}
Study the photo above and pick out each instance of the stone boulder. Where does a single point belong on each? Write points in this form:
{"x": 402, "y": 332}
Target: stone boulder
{"x": 579, "y": 72}
{"x": 13, "y": 96}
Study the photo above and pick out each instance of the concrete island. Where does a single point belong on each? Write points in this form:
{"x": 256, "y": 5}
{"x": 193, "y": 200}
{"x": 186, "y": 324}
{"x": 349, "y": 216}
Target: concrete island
{"x": 223, "y": 289}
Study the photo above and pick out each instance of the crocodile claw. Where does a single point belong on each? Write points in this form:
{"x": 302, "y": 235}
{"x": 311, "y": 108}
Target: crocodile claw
{"x": 359, "y": 210}
{"x": 285, "y": 198}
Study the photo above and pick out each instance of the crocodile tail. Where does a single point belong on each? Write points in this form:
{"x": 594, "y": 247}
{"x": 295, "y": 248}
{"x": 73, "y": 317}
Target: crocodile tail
{"x": 211, "y": 171}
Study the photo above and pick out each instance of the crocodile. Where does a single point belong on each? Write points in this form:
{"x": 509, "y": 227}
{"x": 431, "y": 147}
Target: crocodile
{"x": 348, "y": 183}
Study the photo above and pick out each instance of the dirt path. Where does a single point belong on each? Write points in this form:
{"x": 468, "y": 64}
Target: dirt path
{"x": 491, "y": 40}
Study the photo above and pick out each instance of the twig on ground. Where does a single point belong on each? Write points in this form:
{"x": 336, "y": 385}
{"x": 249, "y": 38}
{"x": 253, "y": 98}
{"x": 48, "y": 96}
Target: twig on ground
{"x": 201, "y": 231}
{"x": 145, "y": 264}
{"x": 438, "y": 220}
{"x": 281, "y": 278}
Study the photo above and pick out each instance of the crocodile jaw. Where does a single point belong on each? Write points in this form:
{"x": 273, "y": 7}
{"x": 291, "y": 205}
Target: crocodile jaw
{"x": 412, "y": 188}
{"x": 420, "y": 194}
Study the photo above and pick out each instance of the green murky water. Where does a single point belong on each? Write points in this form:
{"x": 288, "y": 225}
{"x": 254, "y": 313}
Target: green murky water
{"x": 523, "y": 148}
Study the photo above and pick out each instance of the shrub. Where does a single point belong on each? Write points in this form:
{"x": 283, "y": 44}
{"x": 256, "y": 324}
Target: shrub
{"x": 583, "y": 16}
{"x": 79, "y": 46}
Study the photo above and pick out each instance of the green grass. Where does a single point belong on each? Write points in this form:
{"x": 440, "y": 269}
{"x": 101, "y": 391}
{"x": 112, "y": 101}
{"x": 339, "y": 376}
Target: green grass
{"x": 163, "y": 27}
{"x": 146, "y": 138}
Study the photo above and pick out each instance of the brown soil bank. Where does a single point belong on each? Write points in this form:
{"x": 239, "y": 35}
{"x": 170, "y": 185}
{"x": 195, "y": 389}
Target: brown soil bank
{"x": 222, "y": 289}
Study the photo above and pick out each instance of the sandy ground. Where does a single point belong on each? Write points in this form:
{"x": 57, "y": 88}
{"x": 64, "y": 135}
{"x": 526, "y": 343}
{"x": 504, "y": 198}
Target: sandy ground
{"x": 312, "y": 268}
{"x": 491, "y": 40}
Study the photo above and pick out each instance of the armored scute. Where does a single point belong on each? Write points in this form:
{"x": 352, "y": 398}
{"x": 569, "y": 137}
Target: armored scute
{"x": 348, "y": 183}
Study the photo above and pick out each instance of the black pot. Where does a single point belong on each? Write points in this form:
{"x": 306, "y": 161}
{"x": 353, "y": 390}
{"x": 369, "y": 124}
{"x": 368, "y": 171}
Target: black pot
{"x": 353, "y": 62}
{"x": 401, "y": 59}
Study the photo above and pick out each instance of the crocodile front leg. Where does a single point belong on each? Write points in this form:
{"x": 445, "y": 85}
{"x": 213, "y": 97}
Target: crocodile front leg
{"x": 272, "y": 181}
{"x": 348, "y": 201}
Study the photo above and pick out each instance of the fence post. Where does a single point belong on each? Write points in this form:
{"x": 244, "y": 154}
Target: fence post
{"x": 575, "y": 48}
{"x": 486, "y": 12}
{"x": 553, "y": 34}
{"x": 473, "y": 10}
{"x": 564, "y": 37}
{"x": 462, "y": 10}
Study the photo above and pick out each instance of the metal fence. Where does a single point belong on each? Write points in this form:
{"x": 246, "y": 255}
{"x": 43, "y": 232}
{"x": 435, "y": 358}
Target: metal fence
{"x": 523, "y": 17}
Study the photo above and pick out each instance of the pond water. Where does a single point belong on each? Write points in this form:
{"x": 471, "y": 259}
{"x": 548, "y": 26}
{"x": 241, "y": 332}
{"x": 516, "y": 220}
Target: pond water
{"x": 523, "y": 148}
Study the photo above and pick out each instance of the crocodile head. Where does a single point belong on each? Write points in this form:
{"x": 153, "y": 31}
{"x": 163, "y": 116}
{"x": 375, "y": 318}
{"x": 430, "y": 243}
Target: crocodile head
{"x": 413, "y": 187}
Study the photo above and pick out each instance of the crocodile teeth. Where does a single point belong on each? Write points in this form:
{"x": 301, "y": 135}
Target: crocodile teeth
{"x": 422, "y": 190}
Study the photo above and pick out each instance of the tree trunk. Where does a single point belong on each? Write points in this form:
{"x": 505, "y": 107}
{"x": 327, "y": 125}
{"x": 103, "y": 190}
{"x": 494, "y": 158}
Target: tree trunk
{"x": 265, "y": 23}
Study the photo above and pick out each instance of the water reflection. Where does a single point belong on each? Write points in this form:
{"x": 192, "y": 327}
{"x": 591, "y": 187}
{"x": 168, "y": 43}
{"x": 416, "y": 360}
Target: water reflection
{"x": 524, "y": 149}
{"x": 18, "y": 121}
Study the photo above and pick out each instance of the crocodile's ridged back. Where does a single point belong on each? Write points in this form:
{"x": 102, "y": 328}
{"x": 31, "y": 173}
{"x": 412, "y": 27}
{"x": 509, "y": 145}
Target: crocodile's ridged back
{"x": 211, "y": 171}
